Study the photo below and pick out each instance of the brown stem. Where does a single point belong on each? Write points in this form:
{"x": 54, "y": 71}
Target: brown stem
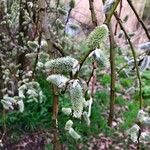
{"x": 113, "y": 75}
{"x": 92, "y": 78}
{"x": 43, "y": 22}
{"x": 116, "y": 26}
{"x": 93, "y": 15}
{"x": 112, "y": 64}
{"x": 139, "y": 19}
{"x": 134, "y": 57}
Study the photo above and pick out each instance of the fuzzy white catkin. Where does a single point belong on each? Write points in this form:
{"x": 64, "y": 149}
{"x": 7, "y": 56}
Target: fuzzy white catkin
{"x": 67, "y": 111}
{"x": 74, "y": 134}
{"x": 58, "y": 80}
{"x": 77, "y": 99}
{"x": 145, "y": 136}
{"x": 145, "y": 63}
{"x": 109, "y": 4}
{"x": 61, "y": 65}
{"x": 86, "y": 118}
{"x": 100, "y": 57}
{"x": 21, "y": 105}
{"x": 133, "y": 132}
{"x": 144, "y": 46}
{"x": 68, "y": 125}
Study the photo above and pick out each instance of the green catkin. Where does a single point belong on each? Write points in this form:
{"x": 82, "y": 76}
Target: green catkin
{"x": 68, "y": 125}
{"x": 72, "y": 3}
{"x": 61, "y": 11}
{"x": 33, "y": 45}
{"x": 97, "y": 36}
{"x": 59, "y": 24}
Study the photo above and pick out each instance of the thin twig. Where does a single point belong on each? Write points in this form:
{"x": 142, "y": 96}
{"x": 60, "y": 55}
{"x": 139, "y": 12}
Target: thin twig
{"x": 139, "y": 19}
{"x": 120, "y": 9}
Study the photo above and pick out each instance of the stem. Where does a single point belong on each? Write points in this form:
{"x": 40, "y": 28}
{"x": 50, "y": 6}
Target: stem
{"x": 43, "y": 19}
{"x": 93, "y": 15}
{"x": 134, "y": 57}
{"x": 113, "y": 75}
{"x": 112, "y": 64}
{"x": 120, "y": 9}
{"x": 139, "y": 19}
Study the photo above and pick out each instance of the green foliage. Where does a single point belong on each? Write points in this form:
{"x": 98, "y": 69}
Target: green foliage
{"x": 120, "y": 101}
{"x": 35, "y": 115}
{"x": 126, "y": 82}
{"x": 105, "y": 80}
{"x": 130, "y": 115}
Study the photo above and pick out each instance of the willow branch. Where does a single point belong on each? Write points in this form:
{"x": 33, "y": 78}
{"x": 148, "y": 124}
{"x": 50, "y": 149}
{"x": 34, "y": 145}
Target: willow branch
{"x": 139, "y": 19}
{"x": 93, "y": 14}
{"x": 120, "y": 9}
{"x": 134, "y": 57}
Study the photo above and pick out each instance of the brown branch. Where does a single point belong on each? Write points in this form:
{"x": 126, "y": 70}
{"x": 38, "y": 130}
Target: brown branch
{"x": 134, "y": 57}
{"x": 113, "y": 75}
{"x": 112, "y": 63}
{"x": 93, "y": 15}
{"x": 139, "y": 19}
{"x": 120, "y": 9}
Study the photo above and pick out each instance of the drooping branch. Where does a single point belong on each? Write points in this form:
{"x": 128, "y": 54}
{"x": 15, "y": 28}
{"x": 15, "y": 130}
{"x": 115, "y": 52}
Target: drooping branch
{"x": 134, "y": 57}
{"x": 139, "y": 19}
